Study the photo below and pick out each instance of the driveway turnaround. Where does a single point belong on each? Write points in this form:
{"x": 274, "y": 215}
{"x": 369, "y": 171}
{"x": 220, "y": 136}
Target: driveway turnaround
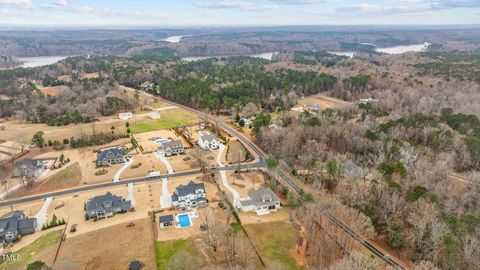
{"x": 131, "y": 195}
{"x": 42, "y": 215}
{"x": 116, "y": 178}
{"x": 223, "y": 175}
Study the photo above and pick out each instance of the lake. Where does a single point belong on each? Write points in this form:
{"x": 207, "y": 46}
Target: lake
{"x": 267, "y": 56}
{"x": 38, "y": 61}
{"x": 391, "y": 50}
{"x": 174, "y": 39}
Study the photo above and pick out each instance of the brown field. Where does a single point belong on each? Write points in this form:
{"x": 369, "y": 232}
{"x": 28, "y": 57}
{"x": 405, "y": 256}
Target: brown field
{"x": 324, "y": 102}
{"x": 54, "y": 90}
{"x": 21, "y": 131}
{"x": 110, "y": 248}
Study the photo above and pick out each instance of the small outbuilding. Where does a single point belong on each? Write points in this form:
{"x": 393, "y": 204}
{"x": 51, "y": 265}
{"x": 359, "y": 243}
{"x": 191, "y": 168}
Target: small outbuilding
{"x": 166, "y": 221}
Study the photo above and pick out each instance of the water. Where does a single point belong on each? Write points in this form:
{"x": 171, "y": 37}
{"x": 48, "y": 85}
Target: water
{"x": 38, "y": 61}
{"x": 404, "y": 49}
{"x": 174, "y": 39}
{"x": 266, "y": 56}
{"x": 391, "y": 50}
{"x": 184, "y": 220}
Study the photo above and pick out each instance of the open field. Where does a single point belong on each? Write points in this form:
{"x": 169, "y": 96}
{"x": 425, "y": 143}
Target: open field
{"x": 110, "y": 248}
{"x": 276, "y": 242}
{"x": 43, "y": 249}
{"x": 169, "y": 119}
{"x": 21, "y": 131}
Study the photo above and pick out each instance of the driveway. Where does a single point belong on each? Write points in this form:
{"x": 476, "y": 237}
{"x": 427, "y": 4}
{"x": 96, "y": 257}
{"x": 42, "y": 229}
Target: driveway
{"x": 131, "y": 195}
{"x": 116, "y": 178}
{"x": 42, "y": 215}
{"x": 165, "y": 198}
{"x": 164, "y": 160}
{"x": 223, "y": 175}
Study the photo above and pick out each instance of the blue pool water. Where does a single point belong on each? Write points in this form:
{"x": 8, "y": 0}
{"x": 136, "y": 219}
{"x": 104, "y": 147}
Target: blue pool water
{"x": 184, "y": 220}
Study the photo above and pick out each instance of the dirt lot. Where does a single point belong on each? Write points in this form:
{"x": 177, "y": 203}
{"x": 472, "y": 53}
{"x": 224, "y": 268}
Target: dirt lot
{"x": 324, "y": 102}
{"x": 145, "y": 139}
{"x": 54, "y": 90}
{"x": 110, "y": 248}
{"x": 245, "y": 181}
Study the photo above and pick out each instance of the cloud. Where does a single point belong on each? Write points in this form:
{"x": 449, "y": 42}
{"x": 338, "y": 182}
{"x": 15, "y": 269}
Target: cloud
{"x": 84, "y": 9}
{"x": 20, "y": 3}
{"x": 62, "y": 3}
{"x": 447, "y": 4}
{"x": 210, "y": 14}
{"x": 301, "y": 2}
{"x": 233, "y": 4}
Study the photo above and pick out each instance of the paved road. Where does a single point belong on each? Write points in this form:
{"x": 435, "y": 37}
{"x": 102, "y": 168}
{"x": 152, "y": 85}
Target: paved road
{"x": 124, "y": 182}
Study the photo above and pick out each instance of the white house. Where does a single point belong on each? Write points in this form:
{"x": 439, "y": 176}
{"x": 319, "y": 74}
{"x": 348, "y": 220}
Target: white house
{"x": 208, "y": 141}
{"x": 189, "y": 196}
{"x": 262, "y": 201}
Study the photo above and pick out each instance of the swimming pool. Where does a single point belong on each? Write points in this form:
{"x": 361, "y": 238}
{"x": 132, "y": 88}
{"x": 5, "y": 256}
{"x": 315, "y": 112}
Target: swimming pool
{"x": 184, "y": 220}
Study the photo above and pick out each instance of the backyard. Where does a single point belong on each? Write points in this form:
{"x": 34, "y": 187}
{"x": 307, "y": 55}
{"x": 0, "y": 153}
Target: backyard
{"x": 276, "y": 242}
{"x": 166, "y": 250}
{"x": 43, "y": 249}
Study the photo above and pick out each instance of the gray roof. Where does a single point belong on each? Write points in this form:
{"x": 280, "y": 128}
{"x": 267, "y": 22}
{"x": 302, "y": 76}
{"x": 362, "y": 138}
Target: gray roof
{"x": 16, "y": 222}
{"x": 29, "y": 163}
{"x": 208, "y": 138}
{"x": 260, "y": 196}
{"x": 110, "y": 153}
{"x": 167, "y": 218}
{"x": 172, "y": 144}
{"x": 106, "y": 201}
{"x": 184, "y": 190}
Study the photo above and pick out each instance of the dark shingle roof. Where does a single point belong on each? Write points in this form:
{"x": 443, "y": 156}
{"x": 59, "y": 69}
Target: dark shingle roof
{"x": 168, "y": 218}
{"x": 105, "y": 201}
{"x": 184, "y": 190}
{"x": 110, "y": 153}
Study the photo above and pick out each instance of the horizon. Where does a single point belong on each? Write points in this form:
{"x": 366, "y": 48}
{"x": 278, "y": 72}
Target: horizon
{"x": 236, "y": 13}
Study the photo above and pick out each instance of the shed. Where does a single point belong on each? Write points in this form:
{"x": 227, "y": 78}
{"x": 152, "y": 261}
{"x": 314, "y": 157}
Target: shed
{"x": 166, "y": 221}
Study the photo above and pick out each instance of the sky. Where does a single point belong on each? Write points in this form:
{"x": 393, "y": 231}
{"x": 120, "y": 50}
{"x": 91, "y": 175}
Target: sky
{"x": 197, "y": 13}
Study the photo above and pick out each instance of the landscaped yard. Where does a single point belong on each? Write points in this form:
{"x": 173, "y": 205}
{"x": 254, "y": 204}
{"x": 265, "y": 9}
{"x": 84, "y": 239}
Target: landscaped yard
{"x": 41, "y": 249}
{"x": 276, "y": 242}
{"x": 166, "y": 250}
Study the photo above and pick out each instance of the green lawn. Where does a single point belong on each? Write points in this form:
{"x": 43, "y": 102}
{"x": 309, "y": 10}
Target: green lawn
{"x": 275, "y": 241}
{"x": 158, "y": 124}
{"x": 167, "y": 249}
{"x": 32, "y": 252}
